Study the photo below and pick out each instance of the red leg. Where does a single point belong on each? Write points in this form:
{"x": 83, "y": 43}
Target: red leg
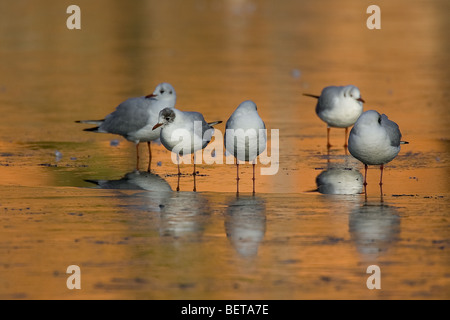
{"x": 137, "y": 156}
{"x": 149, "y": 156}
{"x": 365, "y": 181}
{"x": 237, "y": 176}
{"x": 254, "y": 178}
{"x": 328, "y": 138}
{"x": 194, "y": 174}
{"x": 365, "y": 175}
{"x": 381, "y": 174}
{"x": 346, "y": 138}
{"x": 381, "y": 193}
{"x": 179, "y": 173}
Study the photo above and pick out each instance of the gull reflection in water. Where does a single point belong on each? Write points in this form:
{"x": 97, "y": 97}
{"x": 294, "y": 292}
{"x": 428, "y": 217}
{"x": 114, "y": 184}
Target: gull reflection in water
{"x": 158, "y": 190}
{"x": 245, "y": 224}
{"x": 184, "y": 215}
{"x": 135, "y": 180}
{"x": 374, "y": 228}
{"x": 178, "y": 214}
{"x": 340, "y": 180}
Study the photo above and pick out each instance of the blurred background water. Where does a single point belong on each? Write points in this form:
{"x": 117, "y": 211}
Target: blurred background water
{"x": 71, "y": 197}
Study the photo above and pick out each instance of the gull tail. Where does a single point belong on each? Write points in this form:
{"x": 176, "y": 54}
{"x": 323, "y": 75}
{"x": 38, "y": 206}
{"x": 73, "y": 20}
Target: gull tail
{"x": 96, "y": 182}
{"x": 311, "y": 95}
{"x": 214, "y": 123}
{"x": 95, "y": 129}
{"x": 404, "y": 142}
{"x": 96, "y": 122}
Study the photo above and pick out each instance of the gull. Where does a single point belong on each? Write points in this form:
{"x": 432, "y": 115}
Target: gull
{"x": 135, "y": 117}
{"x": 245, "y": 136}
{"x": 374, "y": 140}
{"x": 338, "y": 107}
{"x": 184, "y": 132}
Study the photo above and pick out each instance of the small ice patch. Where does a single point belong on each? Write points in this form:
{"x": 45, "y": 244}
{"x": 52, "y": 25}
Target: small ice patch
{"x": 58, "y": 155}
{"x": 295, "y": 73}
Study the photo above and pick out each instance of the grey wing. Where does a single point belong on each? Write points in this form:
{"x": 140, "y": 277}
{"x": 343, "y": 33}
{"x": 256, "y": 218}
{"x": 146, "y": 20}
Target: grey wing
{"x": 207, "y": 130}
{"x": 327, "y": 97}
{"x": 130, "y": 116}
{"x": 195, "y": 117}
{"x": 392, "y": 130}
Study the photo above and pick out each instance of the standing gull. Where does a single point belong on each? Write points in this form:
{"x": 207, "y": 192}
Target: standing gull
{"x": 338, "y": 107}
{"x": 135, "y": 118}
{"x": 245, "y": 136}
{"x": 374, "y": 140}
{"x": 184, "y": 132}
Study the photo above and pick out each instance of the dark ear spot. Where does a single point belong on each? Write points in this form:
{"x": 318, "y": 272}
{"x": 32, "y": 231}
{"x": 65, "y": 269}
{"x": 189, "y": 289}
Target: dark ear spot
{"x": 379, "y": 119}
